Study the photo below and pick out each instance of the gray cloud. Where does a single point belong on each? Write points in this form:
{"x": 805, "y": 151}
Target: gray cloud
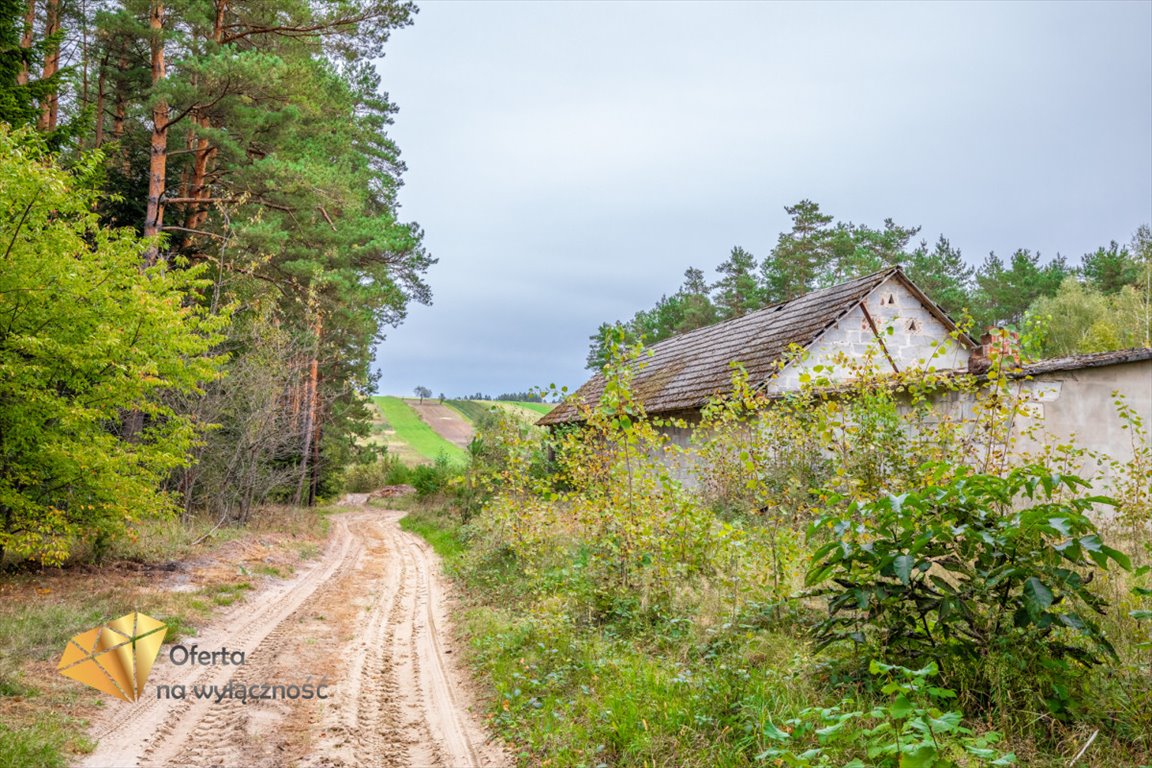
{"x": 569, "y": 160}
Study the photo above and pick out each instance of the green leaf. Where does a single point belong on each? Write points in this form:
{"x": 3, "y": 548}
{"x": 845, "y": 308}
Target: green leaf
{"x": 920, "y": 756}
{"x": 1121, "y": 559}
{"x": 942, "y": 693}
{"x": 901, "y": 707}
{"x": 772, "y": 732}
{"x": 902, "y": 565}
{"x": 1037, "y": 597}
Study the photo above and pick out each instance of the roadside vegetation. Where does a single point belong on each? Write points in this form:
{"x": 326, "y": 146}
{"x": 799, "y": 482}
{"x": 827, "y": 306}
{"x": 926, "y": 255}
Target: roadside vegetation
{"x": 863, "y": 579}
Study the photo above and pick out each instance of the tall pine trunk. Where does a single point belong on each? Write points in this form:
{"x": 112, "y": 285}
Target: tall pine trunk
{"x": 197, "y": 214}
{"x": 158, "y": 157}
{"x": 51, "y": 104}
{"x": 311, "y": 397}
{"x": 26, "y": 40}
{"x": 101, "y": 84}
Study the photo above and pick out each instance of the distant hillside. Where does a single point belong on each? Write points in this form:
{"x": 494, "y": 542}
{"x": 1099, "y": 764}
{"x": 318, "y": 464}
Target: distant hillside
{"x": 415, "y": 441}
{"x": 410, "y": 438}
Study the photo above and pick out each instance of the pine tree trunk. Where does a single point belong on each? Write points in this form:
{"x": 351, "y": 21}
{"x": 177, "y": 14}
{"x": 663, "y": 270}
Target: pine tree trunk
{"x": 26, "y": 40}
{"x": 50, "y": 106}
{"x": 197, "y": 214}
{"x": 101, "y": 82}
{"x": 197, "y": 191}
{"x": 315, "y": 470}
{"x": 121, "y": 111}
{"x": 158, "y": 156}
{"x": 310, "y": 394}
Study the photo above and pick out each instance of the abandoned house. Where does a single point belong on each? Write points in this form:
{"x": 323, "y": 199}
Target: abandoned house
{"x": 887, "y": 316}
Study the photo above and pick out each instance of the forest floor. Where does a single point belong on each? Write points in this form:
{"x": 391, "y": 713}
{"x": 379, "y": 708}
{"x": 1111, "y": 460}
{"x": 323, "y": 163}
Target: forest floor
{"x": 367, "y": 619}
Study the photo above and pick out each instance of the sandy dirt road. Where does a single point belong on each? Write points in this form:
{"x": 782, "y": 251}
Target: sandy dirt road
{"x": 445, "y": 421}
{"x": 367, "y": 619}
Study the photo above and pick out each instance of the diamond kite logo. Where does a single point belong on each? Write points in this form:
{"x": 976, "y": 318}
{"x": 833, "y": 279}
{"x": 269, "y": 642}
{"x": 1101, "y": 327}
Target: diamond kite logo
{"x": 117, "y": 657}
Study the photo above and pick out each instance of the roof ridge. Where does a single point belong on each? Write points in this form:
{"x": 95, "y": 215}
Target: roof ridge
{"x": 886, "y": 272}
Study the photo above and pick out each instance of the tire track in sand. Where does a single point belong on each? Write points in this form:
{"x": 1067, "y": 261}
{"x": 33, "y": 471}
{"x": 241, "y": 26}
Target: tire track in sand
{"x": 369, "y": 617}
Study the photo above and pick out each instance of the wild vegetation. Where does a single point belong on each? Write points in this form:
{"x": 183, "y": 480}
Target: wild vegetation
{"x": 880, "y": 575}
{"x": 1102, "y": 304}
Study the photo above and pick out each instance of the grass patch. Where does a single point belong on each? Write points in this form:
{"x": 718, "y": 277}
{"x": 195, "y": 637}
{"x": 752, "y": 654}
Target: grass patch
{"x": 632, "y": 690}
{"x": 541, "y": 408}
{"x": 444, "y": 537}
{"x": 411, "y": 430}
{"x": 276, "y": 571}
{"x": 227, "y": 594}
{"x": 529, "y": 413}
{"x": 473, "y": 410}
{"x": 42, "y": 744}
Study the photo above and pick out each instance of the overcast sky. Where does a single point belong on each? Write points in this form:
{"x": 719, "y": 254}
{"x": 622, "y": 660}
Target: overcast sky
{"x": 568, "y": 161}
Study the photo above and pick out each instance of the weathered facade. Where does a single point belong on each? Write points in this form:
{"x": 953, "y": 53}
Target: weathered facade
{"x": 883, "y": 311}
{"x": 1073, "y": 399}
{"x": 886, "y": 317}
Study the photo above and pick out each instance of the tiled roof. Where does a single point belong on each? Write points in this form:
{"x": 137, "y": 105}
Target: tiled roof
{"x": 684, "y": 372}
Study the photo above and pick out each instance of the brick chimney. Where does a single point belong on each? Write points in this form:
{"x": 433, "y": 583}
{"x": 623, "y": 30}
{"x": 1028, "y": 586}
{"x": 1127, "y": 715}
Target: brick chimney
{"x": 995, "y": 344}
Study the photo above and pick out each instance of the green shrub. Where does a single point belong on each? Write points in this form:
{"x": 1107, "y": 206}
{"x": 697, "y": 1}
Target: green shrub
{"x": 977, "y": 568}
{"x": 910, "y": 731}
{"x": 365, "y": 478}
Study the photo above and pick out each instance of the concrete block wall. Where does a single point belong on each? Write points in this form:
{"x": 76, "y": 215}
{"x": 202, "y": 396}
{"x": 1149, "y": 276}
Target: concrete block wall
{"x": 916, "y": 336}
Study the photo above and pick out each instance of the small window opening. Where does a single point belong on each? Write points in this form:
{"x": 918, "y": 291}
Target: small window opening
{"x": 913, "y": 326}
{"x": 890, "y": 299}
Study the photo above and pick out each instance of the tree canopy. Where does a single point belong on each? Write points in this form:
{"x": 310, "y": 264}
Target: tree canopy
{"x": 819, "y": 251}
{"x": 236, "y": 155}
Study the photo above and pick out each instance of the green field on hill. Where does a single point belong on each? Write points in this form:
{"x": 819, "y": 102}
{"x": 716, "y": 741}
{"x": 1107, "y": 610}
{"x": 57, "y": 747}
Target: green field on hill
{"x": 473, "y": 410}
{"x": 409, "y": 428}
{"x": 540, "y": 408}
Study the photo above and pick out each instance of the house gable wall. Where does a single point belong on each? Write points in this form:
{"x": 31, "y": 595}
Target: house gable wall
{"x": 916, "y": 335}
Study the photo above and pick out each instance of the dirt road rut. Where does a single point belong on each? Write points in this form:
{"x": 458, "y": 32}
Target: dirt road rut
{"x": 366, "y": 621}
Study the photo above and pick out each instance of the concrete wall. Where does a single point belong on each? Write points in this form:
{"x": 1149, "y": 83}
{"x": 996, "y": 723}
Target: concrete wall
{"x": 1078, "y": 407}
{"x": 917, "y": 335}
{"x": 1064, "y": 407}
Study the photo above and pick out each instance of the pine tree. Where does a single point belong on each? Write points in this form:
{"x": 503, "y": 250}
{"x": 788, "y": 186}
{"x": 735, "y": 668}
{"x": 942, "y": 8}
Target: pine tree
{"x": 1110, "y": 269}
{"x": 795, "y": 263}
{"x": 699, "y": 311}
{"x": 1004, "y": 293}
{"x": 737, "y": 292}
{"x": 941, "y": 273}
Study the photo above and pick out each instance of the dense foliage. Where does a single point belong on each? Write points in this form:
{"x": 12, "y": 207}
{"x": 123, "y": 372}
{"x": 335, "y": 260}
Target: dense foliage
{"x": 247, "y": 143}
{"x": 1105, "y": 303}
{"x": 91, "y": 347}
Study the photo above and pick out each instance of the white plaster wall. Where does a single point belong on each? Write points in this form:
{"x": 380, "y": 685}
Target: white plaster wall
{"x": 915, "y": 338}
{"x": 1078, "y": 407}
{"x": 1065, "y": 407}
